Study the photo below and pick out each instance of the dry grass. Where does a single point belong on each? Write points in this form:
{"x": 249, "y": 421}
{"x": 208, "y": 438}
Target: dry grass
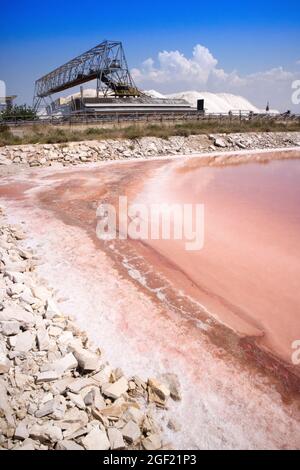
{"x": 51, "y": 135}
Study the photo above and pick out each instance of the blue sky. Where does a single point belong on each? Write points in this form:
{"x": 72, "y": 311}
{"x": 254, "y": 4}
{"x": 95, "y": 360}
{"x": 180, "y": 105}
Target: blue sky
{"x": 248, "y": 37}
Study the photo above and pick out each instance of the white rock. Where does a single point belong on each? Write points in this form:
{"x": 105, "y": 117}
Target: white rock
{"x": 48, "y": 376}
{"x": 47, "y": 397}
{"x": 9, "y": 328}
{"x": 74, "y": 416}
{"x": 131, "y": 432}
{"x": 23, "y": 342}
{"x": 87, "y": 360}
{"x": 17, "y": 313}
{"x": 25, "y": 254}
{"x": 77, "y": 400}
{"x": 127, "y": 154}
{"x": 52, "y": 307}
{"x": 4, "y": 361}
{"x": 23, "y": 380}
{"x": 53, "y": 156}
{"x": 68, "y": 445}
{"x": 62, "y": 385}
{"x": 115, "y": 438}
{"x": 55, "y": 331}
{"x": 43, "y": 339}
{"x": 68, "y": 362}
{"x": 103, "y": 376}
{"x": 220, "y": 143}
{"x": 5, "y": 409}
{"x": 21, "y": 431}
{"x": 158, "y": 392}
{"x": 173, "y": 384}
{"x": 41, "y": 293}
{"x": 25, "y": 446}
{"x": 92, "y": 396}
{"x": 18, "y": 266}
{"x": 134, "y": 414}
{"x": 5, "y": 161}
{"x": 65, "y": 338}
{"x": 89, "y": 398}
{"x": 60, "y": 409}
{"x": 241, "y": 145}
{"x": 116, "y": 389}
{"x": 96, "y": 440}
{"x": 46, "y": 409}
{"x": 27, "y": 298}
{"x": 31, "y": 409}
{"x": 15, "y": 289}
{"x": 46, "y": 432}
{"x": 78, "y": 384}
{"x": 152, "y": 442}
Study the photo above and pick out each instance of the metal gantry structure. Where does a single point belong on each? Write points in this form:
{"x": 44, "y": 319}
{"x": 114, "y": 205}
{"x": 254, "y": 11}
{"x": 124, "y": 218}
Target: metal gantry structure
{"x": 105, "y": 63}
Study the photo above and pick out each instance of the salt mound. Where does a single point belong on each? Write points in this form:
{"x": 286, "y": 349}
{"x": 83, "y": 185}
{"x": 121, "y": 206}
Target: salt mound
{"x": 217, "y": 102}
{"x": 237, "y": 102}
{"x": 154, "y": 94}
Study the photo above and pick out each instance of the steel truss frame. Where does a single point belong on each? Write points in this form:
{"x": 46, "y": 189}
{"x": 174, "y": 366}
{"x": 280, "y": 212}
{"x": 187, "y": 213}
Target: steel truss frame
{"x": 105, "y": 63}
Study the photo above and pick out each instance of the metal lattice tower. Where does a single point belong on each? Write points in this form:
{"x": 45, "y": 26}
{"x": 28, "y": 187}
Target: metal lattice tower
{"x": 106, "y": 63}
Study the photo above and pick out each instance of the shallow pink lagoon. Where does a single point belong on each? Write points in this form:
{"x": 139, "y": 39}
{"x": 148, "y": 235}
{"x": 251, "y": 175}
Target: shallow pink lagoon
{"x": 224, "y": 318}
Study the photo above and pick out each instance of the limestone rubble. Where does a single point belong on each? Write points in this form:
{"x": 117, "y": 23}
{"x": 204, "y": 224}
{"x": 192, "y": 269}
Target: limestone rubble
{"x": 56, "y": 391}
{"x": 76, "y": 153}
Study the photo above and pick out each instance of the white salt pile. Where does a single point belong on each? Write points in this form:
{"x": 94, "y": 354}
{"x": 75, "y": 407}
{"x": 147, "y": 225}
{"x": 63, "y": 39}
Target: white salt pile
{"x": 213, "y": 102}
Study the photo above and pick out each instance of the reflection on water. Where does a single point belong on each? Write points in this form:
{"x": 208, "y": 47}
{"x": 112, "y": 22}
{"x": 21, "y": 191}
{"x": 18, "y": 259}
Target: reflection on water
{"x": 248, "y": 272}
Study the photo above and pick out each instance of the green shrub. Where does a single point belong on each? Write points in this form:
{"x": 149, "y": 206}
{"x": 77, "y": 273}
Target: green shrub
{"x": 18, "y": 113}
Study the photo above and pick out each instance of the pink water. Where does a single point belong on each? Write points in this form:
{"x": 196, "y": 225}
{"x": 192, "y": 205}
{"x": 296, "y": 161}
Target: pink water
{"x": 152, "y": 306}
{"x": 248, "y": 272}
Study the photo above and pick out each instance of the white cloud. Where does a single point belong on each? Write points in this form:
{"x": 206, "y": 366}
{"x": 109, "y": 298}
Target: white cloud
{"x": 174, "y": 65}
{"x": 276, "y": 74}
{"x": 172, "y": 71}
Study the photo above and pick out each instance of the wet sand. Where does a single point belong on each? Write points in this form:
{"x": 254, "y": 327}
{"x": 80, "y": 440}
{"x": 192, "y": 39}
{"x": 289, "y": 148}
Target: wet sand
{"x": 157, "y": 305}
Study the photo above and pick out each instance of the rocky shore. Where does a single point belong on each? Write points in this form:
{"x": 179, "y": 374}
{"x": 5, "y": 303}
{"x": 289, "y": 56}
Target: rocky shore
{"x": 147, "y": 147}
{"x": 56, "y": 390}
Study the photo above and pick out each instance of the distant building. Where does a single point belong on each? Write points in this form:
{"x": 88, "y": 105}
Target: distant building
{"x": 7, "y": 102}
